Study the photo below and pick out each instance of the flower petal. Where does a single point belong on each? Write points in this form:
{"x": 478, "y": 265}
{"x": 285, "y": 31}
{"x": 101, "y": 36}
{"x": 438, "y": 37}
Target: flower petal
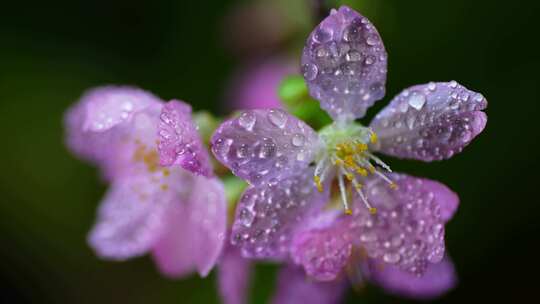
{"x": 267, "y": 215}
{"x": 324, "y": 248}
{"x": 408, "y": 230}
{"x": 437, "y": 280}
{"x": 196, "y": 230}
{"x": 294, "y": 287}
{"x": 98, "y": 111}
{"x": 130, "y": 219}
{"x": 430, "y": 122}
{"x": 448, "y": 200}
{"x": 179, "y": 141}
{"x": 233, "y": 276}
{"x": 261, "y": 145}
{"x": 344, "y": 64}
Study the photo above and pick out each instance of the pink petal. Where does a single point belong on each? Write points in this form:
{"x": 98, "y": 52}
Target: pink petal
{"x": 324, "y": 247}
{"x": 233, "y": 276}
{"x": 294, "y": 287}
{"x": 438, "y": 279}
{"x": 100, "y": 127}
{"x": 267, "y": 215}
{"x": 195, "y": 230}
{"x": 130, "y": 219}
{"x": 179, "y": 141}
{"x": 344, "y": 64}
{"x": 264, "y": 145}
{"x": 430, "y": 122}
{"x": 408, "y": 230}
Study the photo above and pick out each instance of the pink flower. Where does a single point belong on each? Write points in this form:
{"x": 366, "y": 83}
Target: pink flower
{"x": 163, "y": 197}
{"x": 395, "y": 221}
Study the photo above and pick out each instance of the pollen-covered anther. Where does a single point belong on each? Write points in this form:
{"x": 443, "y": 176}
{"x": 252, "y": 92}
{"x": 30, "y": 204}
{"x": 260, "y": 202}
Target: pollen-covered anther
{"x": 373, "y": 137}
{"x": 317, "y": 180}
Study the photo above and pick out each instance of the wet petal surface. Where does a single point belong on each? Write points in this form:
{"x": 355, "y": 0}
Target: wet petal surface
{"x": 233, "y": 276}
{"x": 179, "y": 141}
{"x": 408, "y": 229}
{"x": 264, "y": 145}
{"x": 323, "y": 250}
{"x": 437, "y": 280}
{"x": 130, "y": 219}
{"x": 294, "y": 287}
{"x": 429, "y": 122}
{"x": 344, "y": 64}
{"x": 268, "y": 215}
{"x": 100, "y": 118}
{"x": 195, "y": 230}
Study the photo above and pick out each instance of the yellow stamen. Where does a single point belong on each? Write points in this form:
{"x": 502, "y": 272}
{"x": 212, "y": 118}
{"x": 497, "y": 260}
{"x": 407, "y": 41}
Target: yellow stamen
{"x": 317, "y": 181}
{"x": 349, "y": 176}
{"x": 361, "y": 147}
{"x": 164, "y": 187}
{"x": 373, "y": 210}
{"x": 166, "y": 172}
{"x": 373, "y": 137}
{"x": 393, "y": 186}
{"x": 361, "y": 171}
{"x": 348, "y": 211}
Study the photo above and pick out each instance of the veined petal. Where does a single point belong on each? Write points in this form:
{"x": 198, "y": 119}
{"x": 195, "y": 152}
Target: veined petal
{"x": 233, "y": 276}
{"x": 267, "y": 215}
{"x": 195, "y": 230}
{"x": 261, "y": 145}
{"x": 89, "y": 122}
{"x": 179, "y": 141}
{"x": 437, "y": 280}
{"x": 344, "y": 64}
{"x": 430, "y": 122}
{"x": 294, "y": 287}
{"x": 324, "y": 247}
{"x": 408, "y": 229}
{"x": 130, "y": 219}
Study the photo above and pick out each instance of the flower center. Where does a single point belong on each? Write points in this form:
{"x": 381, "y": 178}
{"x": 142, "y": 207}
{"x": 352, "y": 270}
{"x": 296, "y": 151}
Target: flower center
{"x": 346, "y": 156}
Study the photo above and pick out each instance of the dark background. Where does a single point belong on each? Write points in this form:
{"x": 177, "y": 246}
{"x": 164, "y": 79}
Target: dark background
{"x": 51, "y": 51}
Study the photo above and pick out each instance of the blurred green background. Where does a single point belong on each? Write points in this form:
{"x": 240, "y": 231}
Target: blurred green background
{"x": 51, "y": 51}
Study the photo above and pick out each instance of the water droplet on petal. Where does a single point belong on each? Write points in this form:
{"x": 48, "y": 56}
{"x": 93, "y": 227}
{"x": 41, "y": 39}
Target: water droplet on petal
{"x": 432, "y": 86}
{"x": 310, "y": 71}
{"x": 277, "y": 118}
{"x": 391, "y": 258}
{"x": 353, "y": 56}
{"x": 372, "y": 40}
{"x": 322, "y": 35}
{"x": 298, "y": 140}
{"x": 417, "y": 101}
{"x": 247, "y": 120}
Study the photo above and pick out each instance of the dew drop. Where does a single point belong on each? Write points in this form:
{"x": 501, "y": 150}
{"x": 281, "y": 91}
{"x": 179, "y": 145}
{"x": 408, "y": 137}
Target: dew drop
{"x": 372, "y": 40}
{"x": 242, "y": 151}
{"x": 247, "y": 120}
{"x": 322, "y": 35}
{"x": 391, "y": 258}
{"x": 432, "y": 86}
{"x": 246, "y": 217}
{"x": 453, "y": 84}
{"x": 478, "y": 97}
{"x": 277, "y": 118}
{"x": 417, "y": 101}
{"x": 298, "y": 140}
{"x": 310, "y": 71}
{"x": 353, "y": 56}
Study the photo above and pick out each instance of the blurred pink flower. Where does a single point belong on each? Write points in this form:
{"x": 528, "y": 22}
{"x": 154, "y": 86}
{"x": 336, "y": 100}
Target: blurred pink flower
{"x": 163, "y": 197}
